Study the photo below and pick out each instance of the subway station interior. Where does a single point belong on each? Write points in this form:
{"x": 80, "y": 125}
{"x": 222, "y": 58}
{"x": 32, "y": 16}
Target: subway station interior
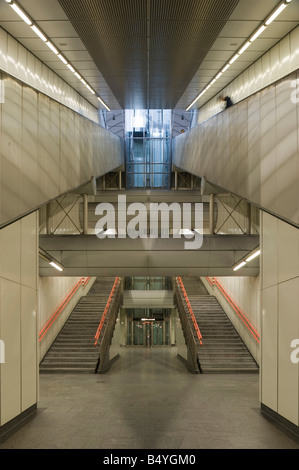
{"x": 149, "y": 224}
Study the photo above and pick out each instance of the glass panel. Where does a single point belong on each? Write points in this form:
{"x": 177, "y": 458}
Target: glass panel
{"x": 158, "y": 334}
{"x": 148, "y": 146}
{"x": 138, "y": 333}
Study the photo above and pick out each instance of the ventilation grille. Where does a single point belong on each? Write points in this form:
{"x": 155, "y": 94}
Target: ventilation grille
{"x": 148, "y": 50}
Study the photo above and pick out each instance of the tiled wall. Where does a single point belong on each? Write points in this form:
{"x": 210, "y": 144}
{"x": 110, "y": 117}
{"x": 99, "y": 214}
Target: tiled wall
{"x": 18, "y": 317}
{"x": 279, "y": 61}
{"x": 280, "y": 317}
{"x": 20, "y": 63}
{"x": 245, "y": 292}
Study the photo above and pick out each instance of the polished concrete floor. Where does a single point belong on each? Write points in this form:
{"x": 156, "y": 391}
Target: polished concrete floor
{"x": 148, "y": 400}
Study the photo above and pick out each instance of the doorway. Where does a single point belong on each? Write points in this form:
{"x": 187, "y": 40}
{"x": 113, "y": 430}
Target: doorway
{"x": 150, "y": 333}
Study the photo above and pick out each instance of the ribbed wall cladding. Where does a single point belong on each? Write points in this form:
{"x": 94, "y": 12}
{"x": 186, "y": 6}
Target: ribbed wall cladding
{"x": 108, "y": 28}
{"x": 223, "y": 350}
{"x": 73, "y": 351}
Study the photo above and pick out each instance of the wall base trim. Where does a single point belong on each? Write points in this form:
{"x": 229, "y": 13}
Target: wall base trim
{"x": 14, "y": 424}
{"x": 286, "y": 425}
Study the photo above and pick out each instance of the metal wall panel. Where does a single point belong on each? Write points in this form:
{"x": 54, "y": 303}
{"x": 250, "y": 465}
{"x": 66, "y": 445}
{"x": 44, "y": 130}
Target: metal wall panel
{"x": 20, "y": 63}
{"x": 42, "y": 155}
{"x": 276, "y": 152}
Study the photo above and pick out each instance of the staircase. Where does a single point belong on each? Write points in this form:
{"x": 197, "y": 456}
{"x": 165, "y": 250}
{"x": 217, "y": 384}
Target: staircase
{"x": 223, "y": 350}
{"x": 73, "y": 351}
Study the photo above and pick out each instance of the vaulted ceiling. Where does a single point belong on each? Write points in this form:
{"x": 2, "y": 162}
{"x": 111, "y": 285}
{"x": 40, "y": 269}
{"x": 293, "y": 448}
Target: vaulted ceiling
{"x": 148, "y": 53}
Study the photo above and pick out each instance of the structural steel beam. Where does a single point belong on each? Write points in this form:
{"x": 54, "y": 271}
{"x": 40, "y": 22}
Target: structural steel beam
{"x": 87, "y": 255}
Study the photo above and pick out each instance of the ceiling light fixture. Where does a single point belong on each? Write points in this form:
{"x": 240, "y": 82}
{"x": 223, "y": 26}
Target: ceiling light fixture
{"x": 253, "y": 255}
{"x": 39, "y": 33}
{"x": 275, "y": 14}
{"x": 20, "y": 12}
{"x": 239, "y": 266}
{"x": 243, "y": 49}
{"x": 257, "y": 33}
{"x": 63, "y": 59}
{"x": 71, "y": 68}
{"x": 51, "y": 46}
{"x": 245, "y": 46}
{"x": 46, "y": 257}
{"x": 104, "y": 104}
{"x": 233, "y": 59}
{"x": 56, "y": 266}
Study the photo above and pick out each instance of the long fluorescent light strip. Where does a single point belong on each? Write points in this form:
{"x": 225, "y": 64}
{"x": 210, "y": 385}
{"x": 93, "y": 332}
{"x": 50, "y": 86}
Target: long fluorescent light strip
{"x": 52, "y": 47}
{"x": 42, "y": 36}
{"x": 254, "y": 255}
{"x": 39, "y": 33}
{"x": 275, "y": 14}
{"x": 245, "y": 46}
{"x": 240, "y": 265}
{"x": 21, "y": 14}
{"x": 56, "y": 266}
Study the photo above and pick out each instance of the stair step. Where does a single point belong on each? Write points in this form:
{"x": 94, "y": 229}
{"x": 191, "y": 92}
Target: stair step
{"x": 73, "y": 350}
{"x": 222, "y": 349}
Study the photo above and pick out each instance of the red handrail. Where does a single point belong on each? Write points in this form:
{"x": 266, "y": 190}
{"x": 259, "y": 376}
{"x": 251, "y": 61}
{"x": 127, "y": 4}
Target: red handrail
{"x": 82, "y": 282}
{"x": 199, "y": 335}
{"x": 97, "y": 335}
{"x": 214, "y": 282}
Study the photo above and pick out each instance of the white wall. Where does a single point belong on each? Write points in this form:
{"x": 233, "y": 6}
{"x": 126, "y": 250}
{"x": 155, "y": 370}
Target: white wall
{"x": 245, "y": 293}
{"x": 279, "y": 61}
{"x": 52, "y": 292}
{"x": 20, "y": 63}
{"x": 46, "y": 150}
{"x": 280, "y": 317}
{"x": 250, "y": 150}
{"x": 18, "y": 317}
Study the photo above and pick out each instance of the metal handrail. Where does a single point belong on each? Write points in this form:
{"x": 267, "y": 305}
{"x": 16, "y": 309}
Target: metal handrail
{"x": 192, "y": 340}
{"x": 193, "y": 319}
{"x": 82, "y": 282}
{"x": 107, "y": 324}
{"x": 214, "y": 282}
{"x": 106, "y": 310}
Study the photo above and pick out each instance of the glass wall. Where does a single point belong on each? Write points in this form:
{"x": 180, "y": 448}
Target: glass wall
{"x": 148, "y": 145}
{"x": 148, "y": 283}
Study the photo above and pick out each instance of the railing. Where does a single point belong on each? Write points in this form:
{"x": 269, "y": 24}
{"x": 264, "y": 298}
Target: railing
{"x": 214, "y": 282}
{"x": 191, "y": 331}
{"x": 83, "y": 281}
{"x": 107, "y": 324}
{"x": 192, "y": 317}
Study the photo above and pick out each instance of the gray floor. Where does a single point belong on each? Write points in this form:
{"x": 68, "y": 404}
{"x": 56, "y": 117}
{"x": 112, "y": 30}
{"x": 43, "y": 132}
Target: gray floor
{"x": 148, "y": 400}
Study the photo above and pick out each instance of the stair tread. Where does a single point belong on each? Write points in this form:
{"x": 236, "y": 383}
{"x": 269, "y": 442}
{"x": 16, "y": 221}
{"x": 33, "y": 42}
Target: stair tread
{"x": 222, "y": 349}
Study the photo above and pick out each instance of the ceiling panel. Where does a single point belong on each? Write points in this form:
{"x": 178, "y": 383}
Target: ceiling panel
{"x": 148, "y": 53}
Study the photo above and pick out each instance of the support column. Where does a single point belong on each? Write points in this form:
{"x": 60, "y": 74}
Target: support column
{"x": 247, "y": 218}
{"x": 85, "y": 214}
{"x": 279, "y": 392}
{"x": 48, "y": 218}
{"x": 212, "y": 215}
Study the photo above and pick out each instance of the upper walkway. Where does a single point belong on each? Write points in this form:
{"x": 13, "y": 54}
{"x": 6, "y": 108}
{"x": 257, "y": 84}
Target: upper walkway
{"x": 47, "y": 150}
{"x": 250, "y": 150}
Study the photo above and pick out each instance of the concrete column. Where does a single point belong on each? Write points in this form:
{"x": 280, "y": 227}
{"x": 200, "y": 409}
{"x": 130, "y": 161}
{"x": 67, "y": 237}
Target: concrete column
{"x": 48, "y": 219}
{"x": 212, "y": 214}
{"x": 85, "y": 214}
{"x": 280, "y": 322}
{"x": 247, "y": 218}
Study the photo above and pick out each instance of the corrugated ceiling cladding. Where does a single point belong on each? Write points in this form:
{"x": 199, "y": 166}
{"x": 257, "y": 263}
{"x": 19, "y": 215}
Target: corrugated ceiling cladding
{"x": 148, "y": 50}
